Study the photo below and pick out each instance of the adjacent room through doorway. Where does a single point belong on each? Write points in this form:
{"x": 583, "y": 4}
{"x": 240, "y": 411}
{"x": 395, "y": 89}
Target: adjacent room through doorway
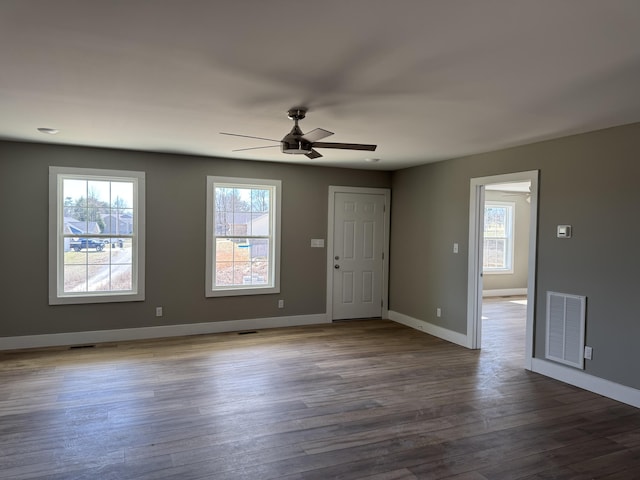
{"x": 507, "y": 215}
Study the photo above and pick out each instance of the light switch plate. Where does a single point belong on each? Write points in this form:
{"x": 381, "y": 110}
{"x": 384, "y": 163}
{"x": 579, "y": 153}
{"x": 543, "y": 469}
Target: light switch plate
{"x": 564, "y": 231}
{"x": 317, "y": 242}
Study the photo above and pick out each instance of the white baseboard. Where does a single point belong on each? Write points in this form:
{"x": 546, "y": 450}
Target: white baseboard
{"x": 100, "y": 336}
{"x": 431, "y": 329}
{"x": 504, "y": 292}
{"x": 578, "y": 378}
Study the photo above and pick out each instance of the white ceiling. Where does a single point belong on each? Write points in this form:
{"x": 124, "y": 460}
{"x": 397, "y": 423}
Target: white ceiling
{"x": 425, "y": 80}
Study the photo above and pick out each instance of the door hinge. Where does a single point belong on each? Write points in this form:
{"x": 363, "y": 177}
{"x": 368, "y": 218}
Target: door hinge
{"x": 382, "y": 255}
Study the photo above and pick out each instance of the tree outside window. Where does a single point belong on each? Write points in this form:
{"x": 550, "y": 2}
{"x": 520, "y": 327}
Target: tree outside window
{"x": 243, "y": 238}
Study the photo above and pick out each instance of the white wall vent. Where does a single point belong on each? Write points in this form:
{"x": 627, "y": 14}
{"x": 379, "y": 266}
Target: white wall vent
{"x": 565, "y": 328}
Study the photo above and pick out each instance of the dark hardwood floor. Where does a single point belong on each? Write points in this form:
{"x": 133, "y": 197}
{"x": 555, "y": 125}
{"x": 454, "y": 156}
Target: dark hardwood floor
{"x": 364, "y": 399}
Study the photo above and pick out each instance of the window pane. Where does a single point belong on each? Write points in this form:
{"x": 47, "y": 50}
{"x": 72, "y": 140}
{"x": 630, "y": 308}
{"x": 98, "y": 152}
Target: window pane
{"x": 224, "y": 274}
{"x": 242, "y": 273}
{"x": 260, "y": 261}
{"x": 75, "y": 278}
{"x": 121, "y": 195}
{"x": 120, "y": 255}
{"x": 71, "y": 257}
{"x": 240, "y": 224}
{"x": 224, "y": 250}
{"x": 259, "y": 200}
{"x": 121, "y": 277}
{"x": 95, "y": 257}
{"x": 98, "y": 193}
{"x": 98, "y": 278}
{"x": 494, "y": 254}
{"x": 241, "y": 200}
{"x": 224, "y": 199}
{"x": 495, "y": 221}
{"x": 260, "y": 250}
{"x": 241, "y": 250}
{"x": 118, "y": 221}
{"x": 74, "y": 191}
{"x": 260, "y": 224}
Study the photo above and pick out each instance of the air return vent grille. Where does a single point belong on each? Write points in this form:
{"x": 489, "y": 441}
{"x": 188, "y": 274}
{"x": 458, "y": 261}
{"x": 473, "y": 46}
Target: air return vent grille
{"x": 565, "y": 328}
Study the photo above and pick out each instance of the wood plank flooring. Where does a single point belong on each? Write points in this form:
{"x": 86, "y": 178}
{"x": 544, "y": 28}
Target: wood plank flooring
{"x": 367, "y": 399}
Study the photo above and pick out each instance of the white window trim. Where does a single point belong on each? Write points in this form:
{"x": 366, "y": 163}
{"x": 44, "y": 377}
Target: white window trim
{"x": 56, "y": 212}
{"x": 510, "y": 243}
{"x": 274, "y": 287}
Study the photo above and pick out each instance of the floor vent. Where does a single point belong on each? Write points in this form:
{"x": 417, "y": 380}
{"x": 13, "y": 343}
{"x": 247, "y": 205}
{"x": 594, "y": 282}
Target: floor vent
{"x": 248, "y": 332}
{"x": 75, "y": 347}
{"x": 565, "y": 328}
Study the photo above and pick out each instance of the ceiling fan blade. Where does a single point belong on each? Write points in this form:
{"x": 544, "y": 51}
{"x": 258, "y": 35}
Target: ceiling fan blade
{"x": 313, "y": 154}
{"x": 345, "y": 146}
{"x": 317, "y": 134}
{"x": 253, "y": 148}
{"x": 249, "y": 136}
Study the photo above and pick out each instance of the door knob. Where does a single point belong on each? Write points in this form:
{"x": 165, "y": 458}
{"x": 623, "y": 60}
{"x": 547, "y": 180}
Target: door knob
{"x": 336, "y": 266}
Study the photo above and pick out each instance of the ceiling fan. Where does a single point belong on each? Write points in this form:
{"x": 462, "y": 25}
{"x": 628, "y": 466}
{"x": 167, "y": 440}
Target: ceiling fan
{"x": 298, "y": 143}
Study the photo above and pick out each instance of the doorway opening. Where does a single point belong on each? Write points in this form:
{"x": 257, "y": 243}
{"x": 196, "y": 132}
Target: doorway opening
{"x": 502, "y": 252}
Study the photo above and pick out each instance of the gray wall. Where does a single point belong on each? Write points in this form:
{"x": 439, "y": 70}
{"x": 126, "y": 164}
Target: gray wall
{"x": 521, "y": 219}
{"x": 175, "y": 247}
{"x": 589, "y": 181}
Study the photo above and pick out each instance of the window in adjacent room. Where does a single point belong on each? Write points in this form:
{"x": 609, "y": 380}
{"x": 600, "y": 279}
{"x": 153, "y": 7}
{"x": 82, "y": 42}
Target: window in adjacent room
{"x": 96, "y": 235}
{"x": 243, "y": 236}
{"x": 498, "y": 237}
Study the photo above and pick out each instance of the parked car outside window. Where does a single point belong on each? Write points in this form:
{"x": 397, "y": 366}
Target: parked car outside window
{"x": 81, "y": 243}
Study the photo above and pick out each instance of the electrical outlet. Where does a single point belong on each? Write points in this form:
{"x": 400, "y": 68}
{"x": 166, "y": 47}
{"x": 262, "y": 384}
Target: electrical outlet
{"x": 438, "y": 312}
{"x": 280, "y": 303}
{"x": 588, "y": 353}
{"x": 158, "y": 311}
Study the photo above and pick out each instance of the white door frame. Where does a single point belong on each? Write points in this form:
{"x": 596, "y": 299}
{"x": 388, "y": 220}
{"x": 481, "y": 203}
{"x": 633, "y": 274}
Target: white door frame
{"x": 330, "y": 229}
{"x": 476, "y": 234}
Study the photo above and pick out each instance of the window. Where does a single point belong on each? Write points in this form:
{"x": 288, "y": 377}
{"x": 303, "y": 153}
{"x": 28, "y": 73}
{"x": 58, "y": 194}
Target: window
{"x": 243, "y": 236}
{"x": 498, "y": 237}
{"x": 96, "y": 235}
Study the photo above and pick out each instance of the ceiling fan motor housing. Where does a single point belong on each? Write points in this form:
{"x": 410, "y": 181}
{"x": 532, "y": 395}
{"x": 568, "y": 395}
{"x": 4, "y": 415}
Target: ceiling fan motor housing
{"x": 295, "y": 143}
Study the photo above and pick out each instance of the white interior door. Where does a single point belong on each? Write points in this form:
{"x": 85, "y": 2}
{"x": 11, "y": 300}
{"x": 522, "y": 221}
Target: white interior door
{"x": 358, "y": 248}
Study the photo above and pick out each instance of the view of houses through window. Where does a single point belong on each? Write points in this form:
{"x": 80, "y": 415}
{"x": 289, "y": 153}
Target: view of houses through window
{"x": 242, "y": 236}
{"x": 241, "y": 247}
{"x": 96, "y": 234}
